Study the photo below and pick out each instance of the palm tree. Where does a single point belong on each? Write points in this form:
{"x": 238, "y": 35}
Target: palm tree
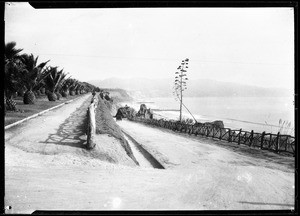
{"x": 73, "y": 87}
{"x": 82, "y": 89}
{"x": 78, "y": 89}
{"x": 21, "y": 91}
{"x": 65, "y": 87}
{"x": 60, "y": 86}
{"x": 87, "y": 87}
{"x": 11, "y": 86}
{"x": 53, "y": 81}
{"x": 40, "y": 88}
{"x": 11, "y": 78}
{"x": 32, "y": 75}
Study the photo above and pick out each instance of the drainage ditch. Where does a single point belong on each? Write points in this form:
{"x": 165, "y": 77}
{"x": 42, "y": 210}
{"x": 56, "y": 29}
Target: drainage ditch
{"x": 144, "y": 158}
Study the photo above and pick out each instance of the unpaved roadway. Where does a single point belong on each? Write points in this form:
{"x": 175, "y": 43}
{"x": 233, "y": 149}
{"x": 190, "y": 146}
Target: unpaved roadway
{"x": 218, "y": 177}
{"x": 47, "y": 168}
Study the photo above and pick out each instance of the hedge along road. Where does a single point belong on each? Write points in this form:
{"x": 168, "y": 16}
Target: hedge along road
{"x": 46, "y": 168}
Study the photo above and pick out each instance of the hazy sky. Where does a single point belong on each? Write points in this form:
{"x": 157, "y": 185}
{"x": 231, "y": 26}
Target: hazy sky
{"x": 252, "y": 46}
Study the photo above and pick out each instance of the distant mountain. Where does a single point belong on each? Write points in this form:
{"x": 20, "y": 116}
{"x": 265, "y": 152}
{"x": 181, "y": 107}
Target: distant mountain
{"x": 138, "y": 86}
{"x": 196, "y": 88}
{"x": 119, "y": 95}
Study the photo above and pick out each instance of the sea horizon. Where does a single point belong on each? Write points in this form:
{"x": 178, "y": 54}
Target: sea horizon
{"x": 247, "y": 113}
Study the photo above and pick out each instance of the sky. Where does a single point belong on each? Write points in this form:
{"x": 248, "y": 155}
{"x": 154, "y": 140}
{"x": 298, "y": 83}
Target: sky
{"x": 253, "y": 46}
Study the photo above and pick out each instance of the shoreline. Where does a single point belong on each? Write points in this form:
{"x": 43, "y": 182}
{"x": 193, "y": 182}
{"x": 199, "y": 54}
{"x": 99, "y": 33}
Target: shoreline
{"x": 233, "y": 123}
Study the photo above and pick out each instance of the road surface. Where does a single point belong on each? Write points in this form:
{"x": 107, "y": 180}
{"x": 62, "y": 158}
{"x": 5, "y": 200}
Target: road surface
{"x": 47, "y": 168}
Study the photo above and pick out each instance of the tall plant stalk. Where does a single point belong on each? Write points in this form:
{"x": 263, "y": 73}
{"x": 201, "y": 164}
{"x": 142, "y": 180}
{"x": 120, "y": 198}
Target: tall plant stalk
{"x": 180, "y": 83}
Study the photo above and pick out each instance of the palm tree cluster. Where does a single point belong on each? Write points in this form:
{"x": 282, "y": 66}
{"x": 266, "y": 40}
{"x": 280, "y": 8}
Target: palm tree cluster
{"x": 26, "y": 78}
{"x": 180, "y": 82}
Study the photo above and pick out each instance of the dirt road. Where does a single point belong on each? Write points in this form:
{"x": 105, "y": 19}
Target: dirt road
{"x": 46, "y": 168}
{"x": 219, "y": 178}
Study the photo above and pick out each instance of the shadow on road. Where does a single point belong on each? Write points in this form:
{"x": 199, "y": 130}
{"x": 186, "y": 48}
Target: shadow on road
{"x": 72, "y": 131}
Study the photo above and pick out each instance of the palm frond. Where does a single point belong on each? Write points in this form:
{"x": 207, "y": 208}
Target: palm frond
{"x": 10, "y": 50}
{"x": 59, "y": 78}
{"x": 43, "y": 64}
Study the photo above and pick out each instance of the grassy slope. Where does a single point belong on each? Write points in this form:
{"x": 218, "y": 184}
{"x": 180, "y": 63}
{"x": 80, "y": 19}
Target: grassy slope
{"x": 41, "y": 104}
{"x": 105, "y": 124}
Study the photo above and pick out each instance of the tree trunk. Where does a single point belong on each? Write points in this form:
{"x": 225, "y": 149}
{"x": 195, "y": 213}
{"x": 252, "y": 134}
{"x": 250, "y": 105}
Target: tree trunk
{"x": 38, "y": 93}
{"x": 29, "y": 97}
{"x": 58, "y": 95}
{"x": 21, "y": 93}
{"x": 65, "y": 93}
{"x": 72, "y": 93}
{"x": 43, "y": 90}
{"x": 9, "y": 104}
{"x": 52, "y": 96}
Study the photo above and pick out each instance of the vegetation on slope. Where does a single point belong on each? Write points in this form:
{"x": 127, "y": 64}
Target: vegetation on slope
{"x": 25, "y": 77}
{"x": 105, "y": 124}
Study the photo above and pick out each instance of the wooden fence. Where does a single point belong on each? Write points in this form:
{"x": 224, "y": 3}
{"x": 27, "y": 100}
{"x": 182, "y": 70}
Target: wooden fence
{"x": 91, "y": 122}
{"x": 273, "y": 142}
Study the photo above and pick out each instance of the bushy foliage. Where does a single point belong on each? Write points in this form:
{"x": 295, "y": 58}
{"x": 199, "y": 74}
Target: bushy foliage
{"x": 187, "y": 121}
{"x": 24, "y": 73}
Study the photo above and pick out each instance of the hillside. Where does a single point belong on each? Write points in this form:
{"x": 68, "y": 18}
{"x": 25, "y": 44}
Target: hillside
{"x": 118, "y": 94}
{"x": 196, "y": 88}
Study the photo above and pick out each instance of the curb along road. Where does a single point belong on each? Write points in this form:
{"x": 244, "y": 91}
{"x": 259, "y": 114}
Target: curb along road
{"x": 38, "y": 114}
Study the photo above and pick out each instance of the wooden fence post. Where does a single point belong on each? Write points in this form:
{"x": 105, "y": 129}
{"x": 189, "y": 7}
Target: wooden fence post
{"x": 262, "y": 140}
{"x": 229, "y": 137}
{"x": 91, "y": 124}
{"x": 251, "y": 138}
{"x": 270, "y": 143}
{"x": 286, "y": 142}
{"x": 220, "y": 133}
{"x": 192, "y": 129}
{"x": 277, "y": 142}
{"x": 239, "y": 142}
{"x": 213, "y": 135}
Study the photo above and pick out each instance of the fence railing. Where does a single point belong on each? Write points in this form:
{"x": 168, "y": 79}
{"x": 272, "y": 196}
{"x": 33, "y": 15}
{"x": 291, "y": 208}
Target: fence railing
{"x": 273, "y": 142}
{"x": 91, "y": 122}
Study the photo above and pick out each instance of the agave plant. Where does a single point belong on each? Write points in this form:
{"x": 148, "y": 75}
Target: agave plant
{"x": 31, "y": 76}
{"x": 12, "y": 84}
{"x": 53, "y": 81}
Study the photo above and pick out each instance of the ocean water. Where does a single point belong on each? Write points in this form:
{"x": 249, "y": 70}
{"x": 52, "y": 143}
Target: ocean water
{"x": 247, "y": 113}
